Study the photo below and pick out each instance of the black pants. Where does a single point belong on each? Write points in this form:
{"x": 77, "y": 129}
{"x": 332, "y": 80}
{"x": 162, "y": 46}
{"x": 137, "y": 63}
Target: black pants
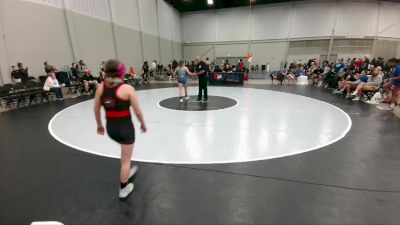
{"x": 203, "y": 87}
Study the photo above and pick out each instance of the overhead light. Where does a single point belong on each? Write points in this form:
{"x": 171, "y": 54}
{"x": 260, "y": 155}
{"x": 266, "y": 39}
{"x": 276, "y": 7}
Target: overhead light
{"x": 210, "y": 2}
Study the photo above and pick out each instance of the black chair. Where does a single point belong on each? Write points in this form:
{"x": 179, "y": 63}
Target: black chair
{"x": 42, "y": 79}
{"x": 34, "y": 91}
{"x": 6, "y": 95}
{"x": 367, "y": 95}
{"x": 20, "y": 94}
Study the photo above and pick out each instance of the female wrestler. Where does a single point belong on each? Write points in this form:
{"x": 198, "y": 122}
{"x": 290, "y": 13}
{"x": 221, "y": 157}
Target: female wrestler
{"x": 182, "y": 71}
{"x": 117, "y": 98}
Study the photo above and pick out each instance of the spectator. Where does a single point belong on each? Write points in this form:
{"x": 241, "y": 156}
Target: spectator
{"x": 75, "y": 70}
{"x": 15, "y": 75}
{"x": 89, "y": 81}
{"x": 146, "y": 71}
{"x": 392, "y": 87}
{"x": 153, "y": 65}
{"x": 372, "y": 84}
{"x": 217, "y": 69}
{"x": 82, "y": 66}
{"x": 22, "y": 73}
{"x": 102, "y": 66}
{"x": 49, "y": 68}
{"x": 134, "y": 76}
{"x": 300, "y": 72}
{"x": 52, "y": 84}
{"x": 241, "y": 65}
{"x": 174, "y": 64}
{"x": 160, "y": 68}
{"x": 352, "y": 85}
{"x": 290, "y": 75}
{"x": 227, "y": 66}
{"x": 339, "y": 66}
{"x": 102, "y": 77}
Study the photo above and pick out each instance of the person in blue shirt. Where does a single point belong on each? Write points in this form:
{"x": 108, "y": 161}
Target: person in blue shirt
{"x": 300, "y": 72}
{"x": 339, "y": 66}
{"x": 393, "y": 84}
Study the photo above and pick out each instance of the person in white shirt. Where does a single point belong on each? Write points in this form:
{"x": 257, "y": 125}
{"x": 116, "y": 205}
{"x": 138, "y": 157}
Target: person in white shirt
{"x": 52, "y": 84}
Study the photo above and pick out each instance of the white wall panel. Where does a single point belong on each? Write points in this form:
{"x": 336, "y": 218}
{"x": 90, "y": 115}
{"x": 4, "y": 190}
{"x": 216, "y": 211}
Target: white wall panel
{"x": 164, "y": 19}
{"x": 272, "y": 53}
{"x": 190, "y": 52}
{"x": 389, "y": 22}
{"x": 199, "y": 27}
{"x": 311, "y": 20}
{"x": 98, "y": 9}
{"x": 176, "y": 26}
{"x": 231, "y": 50}
{"x": 233, "y": 24}
{"x": 148, "y": 13}
{"x": 53, "y": 3}
{"x": 125, "y": 13}
{"x": 270, "y": 22}
{"x": 355, "y": 18}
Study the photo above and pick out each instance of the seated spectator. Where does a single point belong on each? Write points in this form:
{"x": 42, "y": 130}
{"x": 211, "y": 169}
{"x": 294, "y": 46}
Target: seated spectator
{"x": 217, "y": 69}
{"x": 49, "y": 68}
{"x": 241, "y": 65}
{"x": 300, "y": 72}
{"x": 373, "y": 83}
{"x": 316, "y": 76}
{"x": 82, "y": 66}
{"x": 290, "y": 76}
{"x": 227, "y": 66}
{"x": 329, "y": 78}
{"x": 160, "y": 68}
{"x": 89, "y": 81}
{"x": 22, "y": 73}
{"x": 75, "y": 70}
{"x": 52, "y": 84}
{"x": 350, "y": 86}
{"x": 132, "y": 74}
{"x": 392, "y": 87}
{"x": 102, "y": 77}
{"x": 15, "y": 75}
{"x": 339, "y": 66}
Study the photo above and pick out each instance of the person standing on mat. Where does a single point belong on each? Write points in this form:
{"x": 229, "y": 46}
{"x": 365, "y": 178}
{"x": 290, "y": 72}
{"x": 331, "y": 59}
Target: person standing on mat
{"x": 117, "y": 97}
{"x": 201, "y": 72}
{"x": 182, "y": 71}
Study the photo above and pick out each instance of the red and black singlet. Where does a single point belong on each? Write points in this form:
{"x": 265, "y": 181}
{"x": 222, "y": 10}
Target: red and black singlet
{"x": 115, "y": 107}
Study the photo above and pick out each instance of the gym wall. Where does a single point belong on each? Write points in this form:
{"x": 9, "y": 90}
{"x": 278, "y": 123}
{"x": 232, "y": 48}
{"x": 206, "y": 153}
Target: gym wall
{"x": 63, "y": 31}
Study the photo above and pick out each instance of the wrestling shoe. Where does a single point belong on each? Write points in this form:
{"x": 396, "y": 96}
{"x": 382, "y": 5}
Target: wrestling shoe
{"x": 133, "y": 171}
{"x": 126, "y": 191}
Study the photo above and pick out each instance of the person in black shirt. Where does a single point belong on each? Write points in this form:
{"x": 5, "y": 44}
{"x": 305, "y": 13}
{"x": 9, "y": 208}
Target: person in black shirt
{"x": 75, "y": 70}
{"x": 217, "y": 69}
{"x": 201, "y": 72}
{"x": 145, "y": 69}
{"x": 22, "y": 73}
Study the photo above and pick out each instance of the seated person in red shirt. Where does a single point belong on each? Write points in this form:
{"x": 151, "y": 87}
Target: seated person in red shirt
{"x": 132, "y": 75}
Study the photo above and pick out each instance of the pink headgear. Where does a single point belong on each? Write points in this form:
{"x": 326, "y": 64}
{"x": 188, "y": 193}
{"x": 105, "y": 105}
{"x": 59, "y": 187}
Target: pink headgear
{"x": 121, "y": 70}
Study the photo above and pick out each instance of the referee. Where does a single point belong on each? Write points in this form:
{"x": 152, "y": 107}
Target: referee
{"x": 201, "y": 71}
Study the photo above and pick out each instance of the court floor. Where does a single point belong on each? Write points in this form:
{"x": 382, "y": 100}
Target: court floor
{"x": 281, "y": 154}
